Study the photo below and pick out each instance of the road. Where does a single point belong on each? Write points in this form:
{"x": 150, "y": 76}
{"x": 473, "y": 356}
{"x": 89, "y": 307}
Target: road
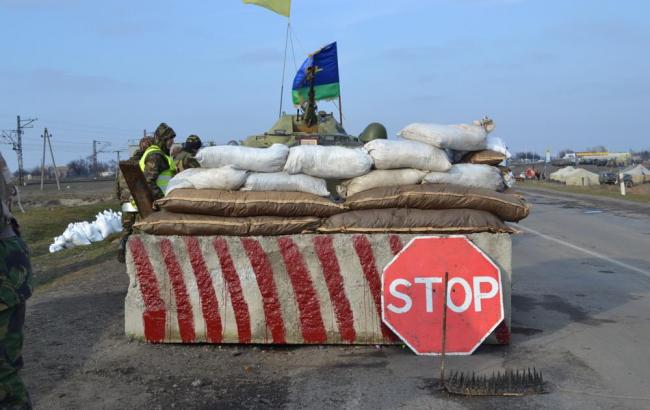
{"x": 581, "y": 313}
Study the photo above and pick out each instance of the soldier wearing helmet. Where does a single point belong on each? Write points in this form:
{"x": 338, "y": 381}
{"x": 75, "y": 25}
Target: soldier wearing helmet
{"x": 156, "y": 163}
{"x": 185, "y": 158}
{"x": 129, "y": 209}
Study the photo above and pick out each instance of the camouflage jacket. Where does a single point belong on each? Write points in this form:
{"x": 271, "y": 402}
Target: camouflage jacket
{"x": 185, "y": 160}
{"x": 154, "y": 164}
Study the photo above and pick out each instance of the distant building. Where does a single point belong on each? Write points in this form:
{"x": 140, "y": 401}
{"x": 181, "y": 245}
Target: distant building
{"x": 618, "y": 158}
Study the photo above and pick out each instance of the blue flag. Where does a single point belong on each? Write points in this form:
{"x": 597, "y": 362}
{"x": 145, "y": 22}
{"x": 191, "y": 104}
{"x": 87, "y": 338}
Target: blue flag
{"x": 326, "y": 83}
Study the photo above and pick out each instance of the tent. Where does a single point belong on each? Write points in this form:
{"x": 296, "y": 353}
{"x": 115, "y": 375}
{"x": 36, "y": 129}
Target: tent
{"x": 582, "y": 177}
{"x": 561, "y": 174}
{"x": 639, "y": 174}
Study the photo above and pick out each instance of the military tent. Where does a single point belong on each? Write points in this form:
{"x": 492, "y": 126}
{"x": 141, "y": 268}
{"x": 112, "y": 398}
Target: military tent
{"x": 582, "y": 177}
{"x": 639, "y": 174}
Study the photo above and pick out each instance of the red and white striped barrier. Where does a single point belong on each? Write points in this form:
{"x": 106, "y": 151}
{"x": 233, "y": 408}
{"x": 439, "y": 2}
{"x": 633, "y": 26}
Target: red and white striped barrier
{"x": 299, "y": 289}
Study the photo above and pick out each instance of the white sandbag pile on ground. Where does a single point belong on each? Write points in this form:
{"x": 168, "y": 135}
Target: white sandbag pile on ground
{"x": 84, "y": 233}
{"x": 469, "y": 175}
{"x": 380, "y": 178}
{"x": 281, "y": 181}
{"x": 391, "y": 154}
{"x": 270, "y": 159}
{"x": 328, "y": 161}
{"x": 228, "y": 178}
{"x": 459, "y": 137}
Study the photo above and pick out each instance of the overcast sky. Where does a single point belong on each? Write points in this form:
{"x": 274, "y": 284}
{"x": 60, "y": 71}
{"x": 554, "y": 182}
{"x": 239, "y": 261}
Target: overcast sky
{"x": 552, "y": 73}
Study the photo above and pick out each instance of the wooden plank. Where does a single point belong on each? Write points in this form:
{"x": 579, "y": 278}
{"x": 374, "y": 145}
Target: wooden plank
{"x": 138, "y": 186}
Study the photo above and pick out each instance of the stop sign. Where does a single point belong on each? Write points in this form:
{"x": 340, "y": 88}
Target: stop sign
{"x": 413, "y": 292}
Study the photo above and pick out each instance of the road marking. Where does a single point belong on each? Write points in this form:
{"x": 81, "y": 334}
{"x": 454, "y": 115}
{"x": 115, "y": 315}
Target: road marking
{"x": 587, "y": 251}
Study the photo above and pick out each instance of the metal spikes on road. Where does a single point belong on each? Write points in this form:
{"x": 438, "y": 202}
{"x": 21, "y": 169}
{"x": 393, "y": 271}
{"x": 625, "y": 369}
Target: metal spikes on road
{"x": 509, "y": 383}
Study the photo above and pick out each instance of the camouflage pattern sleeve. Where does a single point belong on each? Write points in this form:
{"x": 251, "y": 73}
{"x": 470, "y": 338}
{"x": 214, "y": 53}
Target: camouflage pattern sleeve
{"x": 153, "y": 166}
{"x": 184, "y": 160}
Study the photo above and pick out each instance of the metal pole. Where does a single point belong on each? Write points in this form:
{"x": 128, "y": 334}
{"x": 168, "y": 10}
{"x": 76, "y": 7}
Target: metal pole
{"x": 340, "y": 110}
{"x": 19, "y": 150}
{"x": 44, "y": 136}
{"x": 444, "y": 329}
{"x": 95, "y": 157}
{"x": 56, "y": 171}
{"x": 284, "y": 66}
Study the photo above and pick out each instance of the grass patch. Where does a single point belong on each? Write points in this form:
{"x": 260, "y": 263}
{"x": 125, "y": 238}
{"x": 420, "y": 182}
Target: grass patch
{"x": 607, "y": 191}
{"x": 39, "y": 226}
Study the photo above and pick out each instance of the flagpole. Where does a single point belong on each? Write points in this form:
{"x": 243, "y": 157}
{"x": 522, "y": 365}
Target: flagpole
{"x": 284, "y": 65}
{"x": 340, "y": 110}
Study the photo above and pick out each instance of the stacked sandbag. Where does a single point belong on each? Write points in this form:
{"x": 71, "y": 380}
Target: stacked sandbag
{"x": 255, "y": 191}
{"x": 404, "y": 186}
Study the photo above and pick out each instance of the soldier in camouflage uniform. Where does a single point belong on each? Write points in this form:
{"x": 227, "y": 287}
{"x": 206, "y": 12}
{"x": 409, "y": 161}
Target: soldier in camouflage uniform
{"x": 129, "y": 212}
{"x": 15, "y": 289}
{"x": 156, "y": 164}
{"x": 185, "y": 158}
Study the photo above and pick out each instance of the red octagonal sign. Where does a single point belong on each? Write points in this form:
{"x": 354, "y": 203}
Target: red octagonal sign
{"x": 412, "y": 295}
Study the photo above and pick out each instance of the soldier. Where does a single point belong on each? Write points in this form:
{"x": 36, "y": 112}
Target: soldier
{"x": 129, "y": 210}
{"x": 15, "y": 289}
{"x": 185, "y": 158}
{"x": 156, "y": 164}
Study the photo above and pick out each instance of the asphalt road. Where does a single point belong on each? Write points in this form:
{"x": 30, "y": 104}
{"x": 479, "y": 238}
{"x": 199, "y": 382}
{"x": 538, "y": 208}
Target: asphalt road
{"x": 581, "y": 281}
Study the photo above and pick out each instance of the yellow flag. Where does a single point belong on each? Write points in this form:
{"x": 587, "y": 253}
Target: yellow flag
{"x": 282, "y": 7}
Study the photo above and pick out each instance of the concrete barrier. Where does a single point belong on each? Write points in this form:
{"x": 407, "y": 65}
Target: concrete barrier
{"x": 299, "y": 289}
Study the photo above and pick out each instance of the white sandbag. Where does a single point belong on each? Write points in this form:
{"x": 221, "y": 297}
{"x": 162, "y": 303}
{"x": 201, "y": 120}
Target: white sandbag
{"x": 227, "y": 178}
{"x": 498, "y": 145}
{"x": 90, "y": 231}
{"x": 115, "y": 219}
{"x": 77, "y": 237}
{"x": 328, "y": 161}
{"x": 281, "y": 181}
{"x": 380, "y": 178}
{"x": 389, "y": 154}
{"x": 470, "y": 175}
{"x": 460, "y": 137}
{"x": 270, "y": 159}
{"x": 103, "y": 226}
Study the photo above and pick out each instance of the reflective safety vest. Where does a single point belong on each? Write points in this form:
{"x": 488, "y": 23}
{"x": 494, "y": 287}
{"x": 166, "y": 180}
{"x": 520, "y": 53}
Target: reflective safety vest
{"x": 165, "y": 176}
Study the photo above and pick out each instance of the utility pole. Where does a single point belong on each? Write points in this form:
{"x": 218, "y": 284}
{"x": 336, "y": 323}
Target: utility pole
{"x": 18, "y": 147}
{"x": 117, "y": 164}
{"x": 46, "y": 140}
{"x": 95, "y": 158}
{"x": 98, "y": 151}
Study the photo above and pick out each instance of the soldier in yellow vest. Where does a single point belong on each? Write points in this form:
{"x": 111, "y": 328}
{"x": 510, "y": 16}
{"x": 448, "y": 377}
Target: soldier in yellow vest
{"x": 156, "y": 163}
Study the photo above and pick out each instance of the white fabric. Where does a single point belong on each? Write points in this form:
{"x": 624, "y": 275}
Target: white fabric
{"x": 388, "y": 154}
{"x": 227, "y": 178}
{"x": 471, "y": 175}
{"x": 281, "y": 181}
{"x": 460, "y": 137}
{"x": 328, "y": 161}
{"x": 498, "y": 145}
{"x": 270, "y": 159}
{"x": 84, "y": 233}
{"x": 380, "y": 178}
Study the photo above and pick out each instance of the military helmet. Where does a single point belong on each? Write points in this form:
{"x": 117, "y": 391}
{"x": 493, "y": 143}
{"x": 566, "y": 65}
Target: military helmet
{"x": 374, "y": 131}
{"x": 193, "y": 142}
{"x": 164, "y": 132}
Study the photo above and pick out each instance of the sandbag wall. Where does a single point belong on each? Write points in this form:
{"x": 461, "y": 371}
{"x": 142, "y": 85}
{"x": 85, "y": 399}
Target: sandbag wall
{"x": 411, "y": 185}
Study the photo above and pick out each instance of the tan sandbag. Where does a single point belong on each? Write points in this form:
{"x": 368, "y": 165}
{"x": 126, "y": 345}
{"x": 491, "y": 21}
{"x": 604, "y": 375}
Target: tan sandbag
{"x": 486, "y": 157}
{"x": 508, "y": 207}
{"x": 404, "y": 220}
{"x": 380, "y": 178}
{"x": 167, "y": 223}
{"x": 247, "y": 203}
